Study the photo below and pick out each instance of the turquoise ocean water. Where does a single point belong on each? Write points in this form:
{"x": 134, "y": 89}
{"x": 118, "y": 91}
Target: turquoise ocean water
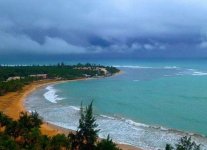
{"x": 150, "y": 104}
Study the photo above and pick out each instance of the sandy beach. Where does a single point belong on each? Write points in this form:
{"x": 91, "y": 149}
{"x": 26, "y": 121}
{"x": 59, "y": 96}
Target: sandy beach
{"x": 13, "y": 103}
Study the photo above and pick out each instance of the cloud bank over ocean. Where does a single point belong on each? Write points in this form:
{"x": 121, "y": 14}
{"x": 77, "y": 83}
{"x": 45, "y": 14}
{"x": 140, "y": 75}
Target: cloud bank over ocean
{"x": 133, "y": 27}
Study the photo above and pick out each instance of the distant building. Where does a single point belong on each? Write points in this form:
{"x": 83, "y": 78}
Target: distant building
{"x": 104, "y": 70}
{"x": 43, "y": 76}
{"x": 14, "y": 78}
{"x": 83, "y": 68}
{"x": 86, "y": 75}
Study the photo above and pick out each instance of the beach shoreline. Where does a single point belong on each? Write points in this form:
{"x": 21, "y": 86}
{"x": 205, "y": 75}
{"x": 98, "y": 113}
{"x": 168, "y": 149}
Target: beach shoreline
{"x": 13, "y": 103}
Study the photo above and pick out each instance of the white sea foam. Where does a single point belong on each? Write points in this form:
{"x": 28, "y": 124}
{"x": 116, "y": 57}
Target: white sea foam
{"x": 139, "y": 134}
{"x": 167, "y": 75}
{"x": 104, "y": 116}
{"x": 51, "y": 95}
{"x": 170, "y": 67}
{"x": 183, "y": 71}
{"x": 199, "y": 73}
{"x": 131, "y": 122}
{"x": 136, "y": 80}
{"x": 145, "y": 67}
{"x": 75, "y": 108}
{"x": 193, "y": 72}
{"x": 131, "y": 66}
{"x": 63, "y": 125}
{"x": 191, "y": 69}
{"x": 142, "y": 135}
{"x": 180, "y": 74}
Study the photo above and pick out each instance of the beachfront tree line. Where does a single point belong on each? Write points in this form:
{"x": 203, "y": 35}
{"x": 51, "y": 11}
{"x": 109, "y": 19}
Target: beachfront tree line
{"x": 26, "y": 74}
{"x": 60, "y": 70}
{"x": 25, "y": 133}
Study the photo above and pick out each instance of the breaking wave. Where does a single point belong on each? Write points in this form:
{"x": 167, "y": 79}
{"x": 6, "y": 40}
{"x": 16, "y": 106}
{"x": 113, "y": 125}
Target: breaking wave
{"x": 51, "y": 95}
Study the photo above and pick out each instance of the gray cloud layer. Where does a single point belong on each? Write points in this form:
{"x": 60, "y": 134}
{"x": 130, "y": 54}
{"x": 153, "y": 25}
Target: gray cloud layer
{"x": 177, "y": 27}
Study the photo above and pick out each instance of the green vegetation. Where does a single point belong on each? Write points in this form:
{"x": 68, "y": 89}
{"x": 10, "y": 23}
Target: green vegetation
{"x": 22, "y": 75}
{"x": 87, "y": 134}
{"x": 15, "y": 85}
{"x": 25, "y": 134}
{"x": 185, "y": 143}
{"x": 107, "y": 144}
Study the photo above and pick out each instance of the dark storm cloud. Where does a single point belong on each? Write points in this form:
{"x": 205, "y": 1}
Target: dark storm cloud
{"x": 99, "y": 27}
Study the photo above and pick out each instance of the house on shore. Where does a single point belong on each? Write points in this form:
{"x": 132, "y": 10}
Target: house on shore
{"x": 86, "y": 75}
{"x": 14, "y": 78}
{"x": 42, "y": 76}
{"x": 99, "y": 69}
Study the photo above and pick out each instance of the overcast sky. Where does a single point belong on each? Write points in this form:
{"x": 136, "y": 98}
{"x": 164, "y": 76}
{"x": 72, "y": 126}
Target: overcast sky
{"x": 142, "y": 28}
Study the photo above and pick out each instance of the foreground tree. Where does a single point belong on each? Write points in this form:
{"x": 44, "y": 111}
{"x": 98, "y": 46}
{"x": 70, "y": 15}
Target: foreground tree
{"x": 29, "y": 121}
{"x": 6, "y": 143}
{"x": 4, "y": 120}
{"x": 45, "y": 142}
{"x": 59, "y": 141}
{"x": 169, "y": 147}
{"x": 107, "y": 144}
{"x": 31, "y": 139}
{"x": 12, "y": 129}
{"x": 87, "y": 133}
{"x": 185, "y": 143}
